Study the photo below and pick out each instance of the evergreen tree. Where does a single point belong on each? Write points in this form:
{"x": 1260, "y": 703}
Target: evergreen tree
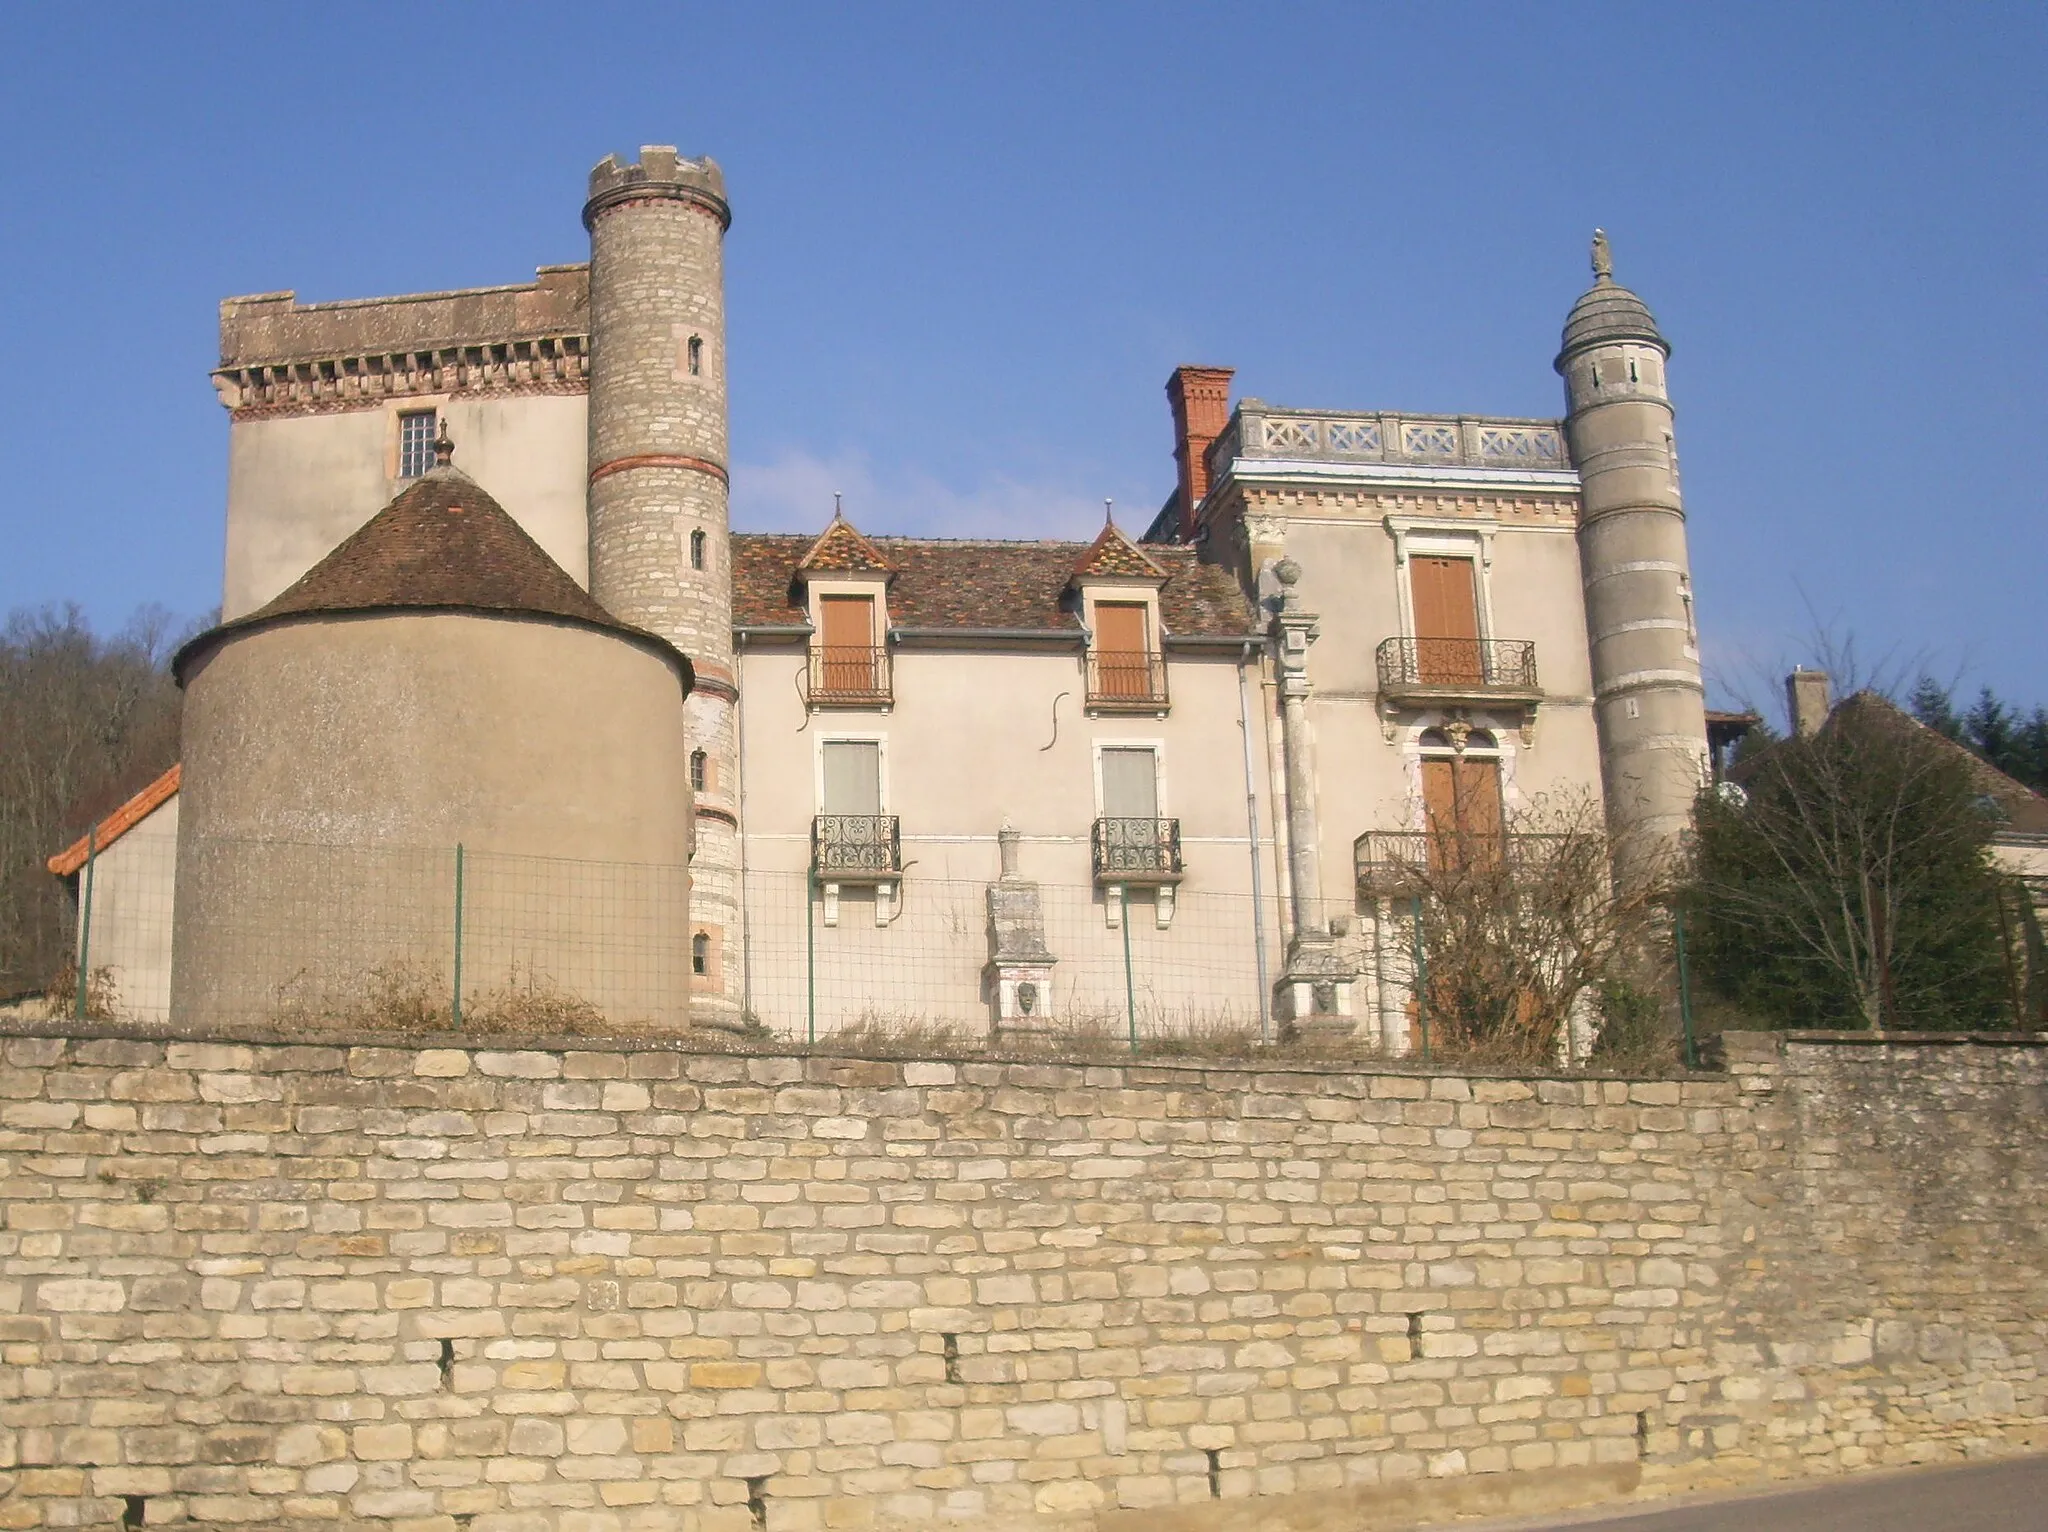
{"x": 2013, "y": 741}
{"x": 1848, "y": 882}
{"x": 1932, "y": 704}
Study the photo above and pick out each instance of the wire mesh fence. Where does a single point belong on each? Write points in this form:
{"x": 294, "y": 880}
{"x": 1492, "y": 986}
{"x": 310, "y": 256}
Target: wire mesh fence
{"x": 448, "y": 938}
{"x": 414, "y": 937}
{"x": 1151, "y": 963}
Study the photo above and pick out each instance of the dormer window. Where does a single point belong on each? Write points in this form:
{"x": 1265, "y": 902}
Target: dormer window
{"x": 1119, "y": 588}
{"x": 845, "y": 581}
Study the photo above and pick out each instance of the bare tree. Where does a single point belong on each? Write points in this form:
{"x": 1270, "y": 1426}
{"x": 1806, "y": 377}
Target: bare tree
{"x": 84, "y": 722}
{"x": 1525, "y": 934}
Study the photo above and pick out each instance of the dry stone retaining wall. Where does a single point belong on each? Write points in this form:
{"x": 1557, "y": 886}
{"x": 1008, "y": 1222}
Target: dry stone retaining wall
{"x": 440, "y": 1288}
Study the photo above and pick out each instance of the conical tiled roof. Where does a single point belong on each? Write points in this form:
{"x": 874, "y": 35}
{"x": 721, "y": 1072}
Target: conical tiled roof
{"x": 1606, "y": 311}
{"x": 442, "y": 545}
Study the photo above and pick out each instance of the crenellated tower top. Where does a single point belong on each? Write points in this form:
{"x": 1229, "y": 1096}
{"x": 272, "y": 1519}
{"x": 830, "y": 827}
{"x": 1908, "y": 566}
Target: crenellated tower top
{"x": 659, "y": 175}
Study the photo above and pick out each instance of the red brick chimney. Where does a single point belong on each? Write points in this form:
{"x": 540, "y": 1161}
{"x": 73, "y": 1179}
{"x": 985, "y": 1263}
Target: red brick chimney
{"x": 1200, "y": 397}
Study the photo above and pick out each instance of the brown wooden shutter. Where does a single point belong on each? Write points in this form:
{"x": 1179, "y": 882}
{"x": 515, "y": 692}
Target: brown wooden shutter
{"x": 1123, "y": 665}
{"x": 848, "y": 641}
{"x": 1479, "y": 813}
{"x": 1440, "y": 807}
{"x": 1446, "y": 597}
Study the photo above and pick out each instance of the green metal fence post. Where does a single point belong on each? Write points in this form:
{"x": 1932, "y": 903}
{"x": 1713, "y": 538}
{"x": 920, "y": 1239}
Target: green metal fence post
{"x": 810, "y": 959}
{"x": 92, "y": 848}
{"x": 1130, "y": 987}
{"x": 1692, "y": 1054}
{"x": 455, "y": 1008}
{"x": 1421, "y": 978}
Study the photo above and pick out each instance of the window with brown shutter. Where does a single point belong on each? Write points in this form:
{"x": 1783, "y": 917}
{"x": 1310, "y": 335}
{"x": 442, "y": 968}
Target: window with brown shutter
{"x": 1125, "y": 666}
{"x": 848, "y": 658}
{"x": 1461, "y": 802}
{"x": 1445, "y": 593}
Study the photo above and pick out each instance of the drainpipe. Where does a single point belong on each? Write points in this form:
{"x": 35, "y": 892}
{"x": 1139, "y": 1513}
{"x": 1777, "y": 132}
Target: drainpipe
{"x": 1251, "y": 826}
{"x": 739, "y": 731}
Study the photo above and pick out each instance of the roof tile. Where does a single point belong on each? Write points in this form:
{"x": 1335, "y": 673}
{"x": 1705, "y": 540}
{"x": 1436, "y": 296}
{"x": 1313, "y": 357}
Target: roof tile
{"x": 841, "y": 547}
{"x": 973, "y": 584}
{"x": 443, "y": 544}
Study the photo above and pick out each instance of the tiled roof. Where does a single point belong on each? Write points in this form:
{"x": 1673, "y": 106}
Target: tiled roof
{"x": 442, "y": 544}
{"x": 1115, "y": 555}
{"x": 841, "y": 547}
{"x": 2021, "y": 809}
{"x": 974, "y": 584}
{"x": 116, "y": 824}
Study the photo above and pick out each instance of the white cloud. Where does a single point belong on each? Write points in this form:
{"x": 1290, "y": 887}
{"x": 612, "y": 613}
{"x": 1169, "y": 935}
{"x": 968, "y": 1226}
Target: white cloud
{"x": 793, "y": 493}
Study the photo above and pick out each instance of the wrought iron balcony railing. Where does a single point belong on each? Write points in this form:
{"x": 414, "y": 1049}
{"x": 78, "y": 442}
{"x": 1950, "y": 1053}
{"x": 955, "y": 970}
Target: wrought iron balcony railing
{"x": 1121, "y": 679}
{"x": 1137, "y": 851}
{"x": 1397, "y": 862}
{"x": 854, "y": 848}
{"x": 844, "y": 675}
{"x": 1477, "y": 668}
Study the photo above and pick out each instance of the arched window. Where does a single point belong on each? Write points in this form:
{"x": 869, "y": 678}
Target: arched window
{"x": 700, "y": 954}
{"x": 696, "y": 355}
{"x": 697, "y": 550}
{"x": 699, "y": 770}
{"x": 1461, "y": 795}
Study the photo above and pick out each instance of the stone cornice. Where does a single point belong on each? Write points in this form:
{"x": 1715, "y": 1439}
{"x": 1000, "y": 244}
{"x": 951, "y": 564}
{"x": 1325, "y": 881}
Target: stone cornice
{"x": 546, "y": 364}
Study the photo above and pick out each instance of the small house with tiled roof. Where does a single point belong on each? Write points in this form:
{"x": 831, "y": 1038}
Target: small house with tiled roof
{"x": 121, "y": 877}
{"x": 1185, "y": 753}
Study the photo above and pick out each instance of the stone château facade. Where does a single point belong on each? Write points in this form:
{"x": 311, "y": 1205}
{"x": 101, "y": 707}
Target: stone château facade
{"x": 1344, "y": 629}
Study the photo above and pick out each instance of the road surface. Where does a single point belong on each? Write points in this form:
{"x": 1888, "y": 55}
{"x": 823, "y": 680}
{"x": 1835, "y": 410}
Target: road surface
{"x": 2010, "y": 1496}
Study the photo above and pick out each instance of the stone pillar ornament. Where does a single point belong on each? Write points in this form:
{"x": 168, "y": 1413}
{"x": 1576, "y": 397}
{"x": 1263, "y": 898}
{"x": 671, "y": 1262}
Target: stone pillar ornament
{"x": 1314, "y": 993}
{"x": 1296, "y": 630}
{"x": 1020, "y": 965}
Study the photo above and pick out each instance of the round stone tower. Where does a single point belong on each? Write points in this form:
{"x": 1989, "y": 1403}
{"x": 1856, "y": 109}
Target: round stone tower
{"x": 659, "y": 550}
{"x": 1648, "y": 696}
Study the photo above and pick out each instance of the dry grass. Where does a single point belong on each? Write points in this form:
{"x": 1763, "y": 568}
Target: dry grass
{"x": 412, "y": 999}
{"x": 408, "y": 1000}
{"x": 102, "y": 994}
{"x": 532, "y": 1006}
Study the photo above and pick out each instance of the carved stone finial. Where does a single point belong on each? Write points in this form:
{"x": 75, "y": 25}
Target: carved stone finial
{"x": 1603, "y": 257}
{"x": 444, "y": 447}
{"x": 1007, "y": 839}
{"x": 1287, "y": 572}
{"x": 1108, "y": 512}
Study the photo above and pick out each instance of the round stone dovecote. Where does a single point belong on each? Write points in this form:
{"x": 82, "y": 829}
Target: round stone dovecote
{"x": 435, "y": 682}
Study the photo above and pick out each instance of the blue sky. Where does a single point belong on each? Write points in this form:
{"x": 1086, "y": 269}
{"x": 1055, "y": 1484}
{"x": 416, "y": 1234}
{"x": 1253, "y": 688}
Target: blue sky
{"x": 969, "y": 243}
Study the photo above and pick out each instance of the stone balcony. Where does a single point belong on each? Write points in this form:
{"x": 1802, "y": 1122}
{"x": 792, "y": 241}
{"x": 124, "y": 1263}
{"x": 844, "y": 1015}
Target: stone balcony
{"x": 1369, "y": 437}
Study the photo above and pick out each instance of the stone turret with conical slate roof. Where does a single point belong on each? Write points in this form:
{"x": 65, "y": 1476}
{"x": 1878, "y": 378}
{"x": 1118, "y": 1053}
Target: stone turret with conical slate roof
{"x": 1649, "y": 700}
